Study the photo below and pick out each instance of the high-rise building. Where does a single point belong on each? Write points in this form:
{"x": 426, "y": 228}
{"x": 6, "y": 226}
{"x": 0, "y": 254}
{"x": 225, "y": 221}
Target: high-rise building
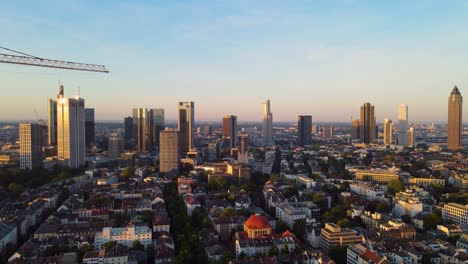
{"x": 140, "y": 128}
{"x": 90, "y": 133}
{"x": 71, "y": 146}
{"x": 52, "y": 122}
{"x": 207, "y": 130}
{"x": 355, "y": 130}
{"x": 115, "y": 146}
{"x": 169, "y": 150}
{"x": 367, "y": 123}
{"x": 31, "y": 142}
{"x": 128, "y": 128}
{"x": 411, "y": 138}
{"x": 454, "y": 130}
{"x": 267, "y": 129}
{"x": 304, "y": 130}
{"x": 158, "y": 124}
{"x": 388, "y": 131}
{"x": 243, "y": 148}
{"x": 229, "y": 132}
{"x": 403, "y": 125}
{"x": 315, "y": 129}
{"x": 186, "y": 126}
{"x": 328, "y": 131}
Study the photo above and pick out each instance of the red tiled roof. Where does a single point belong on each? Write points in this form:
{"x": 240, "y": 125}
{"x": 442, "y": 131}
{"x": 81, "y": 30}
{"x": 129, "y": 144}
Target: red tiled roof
{"x": 257, "y": 222}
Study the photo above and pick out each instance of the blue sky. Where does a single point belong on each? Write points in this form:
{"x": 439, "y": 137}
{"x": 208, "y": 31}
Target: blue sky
{"x": 323, "y": 58}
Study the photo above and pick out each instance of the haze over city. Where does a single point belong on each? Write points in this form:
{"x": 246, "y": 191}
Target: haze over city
{"x": 323, "y": 58}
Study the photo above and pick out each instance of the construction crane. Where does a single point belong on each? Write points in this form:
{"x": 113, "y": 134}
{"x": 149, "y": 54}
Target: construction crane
{"x": 26, "y": 59}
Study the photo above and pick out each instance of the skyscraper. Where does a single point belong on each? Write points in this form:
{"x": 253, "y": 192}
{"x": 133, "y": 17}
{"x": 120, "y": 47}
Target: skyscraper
{"x": 128, "y": 128}
{"x": 454, "y": 129}
{"x": 140, "y": 124}
{"x": 169, "y": 150}
{"x": 52, "y": 122}
{"x": 158, "y": 124}
{"x": 229, "y": 132}
{"x": 367, "y": 123}
{"x": 90, "y": 133}
{"x": 388, "y": 131}
{"x": 355, "y": 130}
{"x": 304, "y": 130}
{"x": 115, "y": 146}
{"x": 403, "y": 125}
{"x": 411, "y": 138}
{"x": 315, "y": 129}
{"x": 186, "y": 126}
{"x": 328, "y": 131}
{"x": 267, "y": 129}
{"x": 71, "y": 147}
{"x": 31, "y": 142}
{"x": 243, "y": 148}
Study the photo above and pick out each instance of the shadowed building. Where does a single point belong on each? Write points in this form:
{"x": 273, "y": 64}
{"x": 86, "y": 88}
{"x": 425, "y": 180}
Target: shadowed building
{"x": 356, "y": 129}
{"x": 304, "y": 130}
{"x": 267, "y": 129}
{"x": 367, "y": 122}
{"x": 169, "y": 150}
{"x": 90, "y": 133}
{"x": 31, "y": 142}
{"x": 229, "y": 132}
{"x": 186, "y": 126}
{"x": 388, "y": 131}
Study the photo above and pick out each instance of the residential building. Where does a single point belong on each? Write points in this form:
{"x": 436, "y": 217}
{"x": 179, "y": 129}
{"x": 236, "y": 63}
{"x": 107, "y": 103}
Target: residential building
{"x": 376, "y": 176}
{"x": 290, "y": 212}
{"x": 333, "y": 235}
{"x": 124, "y": 236}
{"x": 456, "y": 213}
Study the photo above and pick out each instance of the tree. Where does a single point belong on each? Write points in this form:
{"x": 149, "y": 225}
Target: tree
{"x": 383, "y": 207}
{"x": 338, "y": 254}
{"x": 299, "y": 228}
{"x": 136, "y": 245}
{"x": 147, "y": 216}
{"x": 229, "y": 211}
{"x": 128, "y": 172}
{"x": 431, "y": 221}
{"x": 109, "y": 244}
{"x": 281, "y": 226}
{"x": 344, "y": 223}
{"x": 406, "y": 218}
{"x": 395, "y": 186}
{"x": 273, "y": 251}
{"x": 15, "y": 188}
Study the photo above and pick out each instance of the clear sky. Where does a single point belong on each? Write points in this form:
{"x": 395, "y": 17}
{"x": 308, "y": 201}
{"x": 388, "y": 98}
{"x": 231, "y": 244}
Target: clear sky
{"x": 323, "y": 58}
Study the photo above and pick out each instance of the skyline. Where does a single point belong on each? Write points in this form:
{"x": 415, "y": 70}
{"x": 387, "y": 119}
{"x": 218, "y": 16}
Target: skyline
{"x": 322, "y": 59}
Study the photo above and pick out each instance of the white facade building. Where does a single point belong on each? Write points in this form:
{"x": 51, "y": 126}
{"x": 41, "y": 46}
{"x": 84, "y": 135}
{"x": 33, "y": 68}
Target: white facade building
{"x": 124, "y": 236}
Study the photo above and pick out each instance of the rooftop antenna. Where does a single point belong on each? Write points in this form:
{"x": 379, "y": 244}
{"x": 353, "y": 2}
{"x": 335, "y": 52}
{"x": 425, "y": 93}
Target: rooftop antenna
{"x": 78, "y": 92}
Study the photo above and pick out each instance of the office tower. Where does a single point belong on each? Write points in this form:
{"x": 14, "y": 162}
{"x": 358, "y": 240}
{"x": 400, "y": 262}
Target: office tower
{"x": 332, "y": 132}
{"x": 328, "y": 132}
{"x": 213, "y": 151}
{"x": 388, "y": 131}
{"x": 229, "y": 132}
{"x": 207, "y": 130}
{"x": 243, "y": 148}
{"x": 52, "y": 122}
{"x": 454, "y": 129}
{"x": 140, "y": 124}
{"x": 411, "y": 138}
{"x": 169, "y": 150}
{"x": 71, "y": 147}
{"x": 157, "y": 124}
{"x": 367, "y": 123}
{"x": 90, "y": 133}
{"x": 128, "y": 128}
{"x": 267, "y": 129}
{"x": 31, "y": 142}
{"x": 186, "y": 126}
{"x": 403, "y": 125}
{"x": 315, "y": 129}
{"x": 304, "y": 130}
{"x": 115, "y": 146}
{"x": 355, "y": 130}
